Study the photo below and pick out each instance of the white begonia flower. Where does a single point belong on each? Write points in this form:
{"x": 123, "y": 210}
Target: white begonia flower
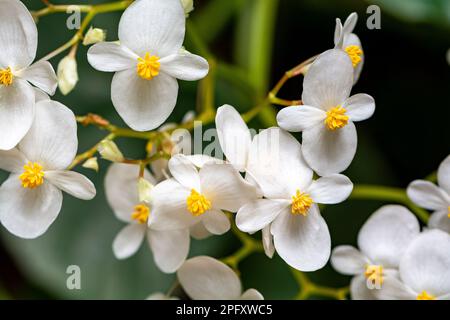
{"x": 18, "y": 45}
{"x": 300, "y": 234}
{"x": 346, "y": 40}
{"x": 382, "y": 241}
{"x": 31, "y": 198}
{"x": 67, "y": 74}
{"x": 205, "y": 278}
{"x": 148, "y": 61}
{"x": 94, "y": 35}
{"x": 170, "y": 248}
{"x": 193, "y": 196}
{"x": 327, "y": 116}
{"x": 432, "y": 197}
{"x": 424, "y": 272}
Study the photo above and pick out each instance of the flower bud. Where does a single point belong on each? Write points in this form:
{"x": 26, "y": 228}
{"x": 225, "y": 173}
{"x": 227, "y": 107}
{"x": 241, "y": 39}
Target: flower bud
{"x": 109, "y": 151}
{"x": 91, "y": 163}
{"x": 144, "y": 190}
{"x": 188, "y": 6}
{"x": 67, "y": 74}
{"x": 94, "y": 35}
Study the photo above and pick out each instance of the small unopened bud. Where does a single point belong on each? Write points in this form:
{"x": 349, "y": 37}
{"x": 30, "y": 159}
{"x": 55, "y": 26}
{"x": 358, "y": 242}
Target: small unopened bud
{"x": 144, "y": 190}
{"x": 94, "y": 35}
{"x": 188, "y": 6}
{"x": 91, "y": 163}
{"x": 109, "y": 151}
{"x": 67, "y": 74}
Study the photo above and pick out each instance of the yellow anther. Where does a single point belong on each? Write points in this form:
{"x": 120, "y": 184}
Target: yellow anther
{"x": 32, "y": 176}
{"x": 374, "y": 273}
{"x": 336, "y": 118}
{"x": 141, "y": 213}
{"x": 197, "y": 204}
{"x": 355, "y": 53}
{"x": 425, "y": 296}
{"x": 6, "y": 76}
{"x": 148, "y": 67}
{"x": 301, "y": 203}
{"x": 448, "y": 211}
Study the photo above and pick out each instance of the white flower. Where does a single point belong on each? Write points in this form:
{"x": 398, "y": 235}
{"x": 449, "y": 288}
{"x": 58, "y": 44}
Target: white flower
{"x": 437, "y": 198}
{"x": 205, "y": 278}
{"x": 94, "y": 35}
{"x": 31, "y": 198}
{"x": 193, "y": 196}
{"x": 18, "y": 45}
{"x": 382, "y": 241}
{"x": 147, "y": 62}
{"x": 327, "y": 116}
{"x": 346, "y": 40}
{"x": 300, "y": 234}
{"x": 424, "y": 272}
{"x": 67, "y": 74}
{"x": 170, "y": 248}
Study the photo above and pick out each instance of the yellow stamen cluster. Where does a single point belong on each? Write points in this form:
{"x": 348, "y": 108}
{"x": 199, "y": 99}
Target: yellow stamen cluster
{"x": 6, "y": 76}
{"x": 148, "y": 67}
{"x": 374, "y": 273}
{"x": 448, "y": 211}
{"x": 355, "y": 53}
{"x": 197, "y": 204}
{"x": 301, "y": 203}
{"x": 141, "y": 213}
{"x": 336, "y": 118}
{"x": 425, "y": 296}
{"x": 33, "y": 175}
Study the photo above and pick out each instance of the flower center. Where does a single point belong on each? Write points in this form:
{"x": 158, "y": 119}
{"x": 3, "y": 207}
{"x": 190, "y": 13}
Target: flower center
{"x": 6, "y": 76}
{"x": 140, "y": 213}
{"x": 32, "y": 176}
{"x": 374, "y": 273}
{"x": 148, "y": 67}
{"x": 336, "y": 118}
{"x": 448, "y": 211}
{"x": 301, "y": 203}
{"x": 197, "y": 203}
{"x": 355, "y": 53}
{"x": 425, "y": 296}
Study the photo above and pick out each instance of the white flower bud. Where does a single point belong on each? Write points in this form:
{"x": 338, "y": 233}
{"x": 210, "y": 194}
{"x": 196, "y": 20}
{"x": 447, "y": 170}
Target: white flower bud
{"x": 188, "y": 6}
{"x": 144, "y": 190}
{"x": 109, "y": 151}
{"x": 67, "y": 74}
{"x": 94, "y": 35}
{"x": 91, "y": 163}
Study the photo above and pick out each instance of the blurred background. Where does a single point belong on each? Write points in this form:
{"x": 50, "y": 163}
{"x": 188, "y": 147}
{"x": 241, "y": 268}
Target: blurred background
{"x": 405, "y": 70}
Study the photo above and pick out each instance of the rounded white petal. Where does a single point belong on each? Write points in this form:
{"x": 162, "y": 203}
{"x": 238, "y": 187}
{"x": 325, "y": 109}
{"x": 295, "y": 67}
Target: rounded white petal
{"x": 216, "y": 222}
{"x": 73, "y": 183}
{"x": 17, "y": 108}
{"x": 42, "y": 75}
{"x": 350, "y": 23}
{"x": 12, "y": 160}
{"x": 143, "y": 104}
{"x": 427, "y": 195}
{"x": 185, "y": 66}
{"x": 394, "y": 289}
{"x": 267, "y": 241}
{"x": 199, "y": 232}
{"x": 258, "y": 214}
{"x": 329, "y": 80}
{"x": 252, "y": 294}
{"x": 443, "y": 175}
{"x": 331, "y": 189}
{"x": 185, "y": 172}
{"x": 359, "y": 107}
{"x": 40, "y": 95}
{"x": 359, "y": 289}
{"x": 111, "y": 57}
{"x": 153, "y": 26}
{"x": 387, "y": 234}
{"x": 128, "y": 240}
{"x": 52, "y": 140}
{"x": 199, "y": 160}
{"x": 28, "y": 213}
{"x": 327, "y": 151}
{"x": 170, "y": 248}
{"x": 302, "y": 241}
{"x": 205, "y": 278}
{"x": 299, "y": 118}
{"x": 440, "y": 220}
{"x": 18, "y": 36}
{"x": 348, "y": 260}
{"x": 338, "y": 35}
{"x": 234, "y": 136}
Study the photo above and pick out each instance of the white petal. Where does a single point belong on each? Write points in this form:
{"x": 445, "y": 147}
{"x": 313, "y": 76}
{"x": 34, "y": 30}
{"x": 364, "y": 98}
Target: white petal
{"x": 73, "y": 183}
{"x": 111, "y": 57}
{"x": 359, "y": 289}
{"x": 170, "y": 248}
{"x": 40, "y": 95}
{"x": 303, "y": 242}
{"x": 267, "y": 241}
{"x": 257, "y": 214}
{"x": 440, "y": 220}
{"x": 327, "y": 151}
{"x": 199, "y": 232}
{"x": 28, "y": 213}
{"x": 184, "y": 171}
{"x": 18, "y": 36}
{"x": 338, "y": 34}
{"x": 225, "y": 188}
{"x": 329, "y": 80}
{"x": 199, "y": 160}
{"x": 216, "y": 222}
{"x": 443, "y": 174}
{"x": 276, "y": 163}
{"x": 153, "y": 26}
{"x": 234, "y": 136}
{"x": 425, "y": 264}
{"x": 359, "y": 107}
{"x": 387, "y": 234}
{"x": 299, "y": 118}
{"x": 252, "y": 294}
{"x": 52, "y": 140}
{"x": 143, "y": 104}
{"x": 331, "y": 189}
{"x": 12, "y": 161}
{"x": 350, "y": 23}
{"x": 42, "y": 75}
{"x": 128, "y": 240}
{"x": 204, "y": 278}
{"x": 394, "y": 289}
{"x": 348, "y": 260}
{"x": 427, "y": 195}
{"x": 185, "y": 66}
{"x": 17, "y": 108}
